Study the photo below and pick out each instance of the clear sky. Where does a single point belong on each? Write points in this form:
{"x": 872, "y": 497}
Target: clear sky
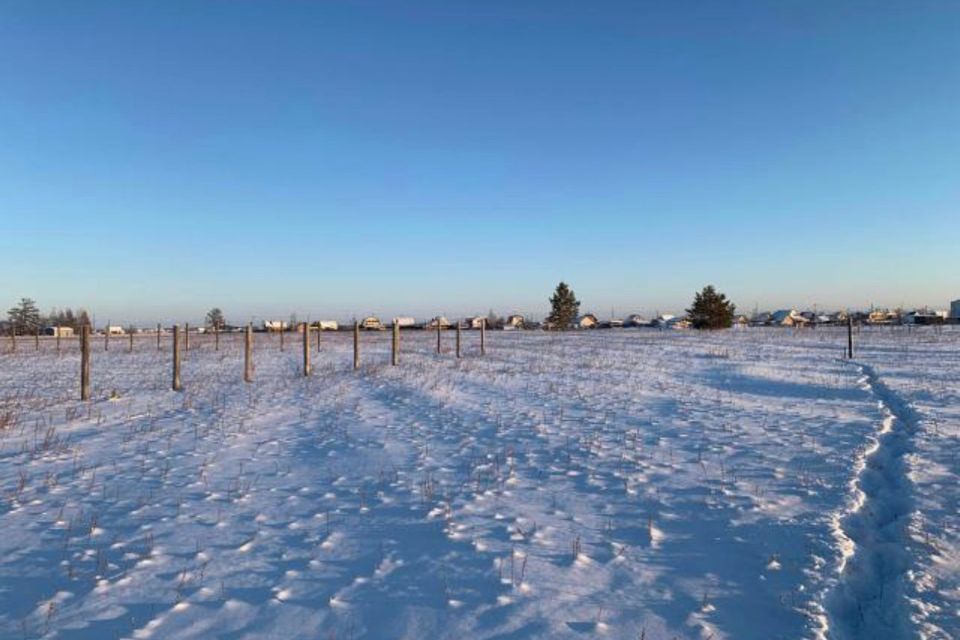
{"x": 333, "y": 158}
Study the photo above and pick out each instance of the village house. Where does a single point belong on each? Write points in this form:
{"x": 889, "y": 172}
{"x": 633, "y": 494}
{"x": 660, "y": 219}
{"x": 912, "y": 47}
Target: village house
{"x": 635, "y": 320}
{"x": 371, "y": 323}
{"x": 788, "y": 318}
{"x": 516, "y": 321}
{"x": 274, "y": 325}
{"x": 476, "y": 323}
{"x": 62, "y": 332}
{"x": 439, "y": 321}
{"x": 587, "y": 321}
{"x": 405, "y": 322}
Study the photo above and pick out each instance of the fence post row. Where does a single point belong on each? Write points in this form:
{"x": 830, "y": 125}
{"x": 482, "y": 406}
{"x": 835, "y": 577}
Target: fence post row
{"x": 176, "y": 358}
{"x": 248, "y": 354}
{"x": 85, "y": 362}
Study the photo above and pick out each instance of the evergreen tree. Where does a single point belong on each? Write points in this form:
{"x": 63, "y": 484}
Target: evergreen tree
{"x": 711, "y": 310}
{"x": 564, "y": 308}
{"x": 25, "y": 317}
{"x": 215, "y": 318}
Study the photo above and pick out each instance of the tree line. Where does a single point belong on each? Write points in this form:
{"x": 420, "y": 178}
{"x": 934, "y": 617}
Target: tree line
{"x": 26, "y": 319}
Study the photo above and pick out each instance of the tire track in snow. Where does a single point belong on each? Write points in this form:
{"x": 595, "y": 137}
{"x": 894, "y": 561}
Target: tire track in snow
{"x": 869, "y": 600}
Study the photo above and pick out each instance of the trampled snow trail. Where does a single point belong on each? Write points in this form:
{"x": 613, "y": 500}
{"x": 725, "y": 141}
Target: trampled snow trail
{"x": 870, "y": 600}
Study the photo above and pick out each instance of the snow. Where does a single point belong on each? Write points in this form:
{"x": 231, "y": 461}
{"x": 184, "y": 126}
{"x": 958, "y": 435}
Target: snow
{"x": 622, "y": 483}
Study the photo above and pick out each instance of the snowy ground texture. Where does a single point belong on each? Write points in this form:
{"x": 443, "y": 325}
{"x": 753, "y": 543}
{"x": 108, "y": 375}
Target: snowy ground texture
{"x": 622, "y": 484}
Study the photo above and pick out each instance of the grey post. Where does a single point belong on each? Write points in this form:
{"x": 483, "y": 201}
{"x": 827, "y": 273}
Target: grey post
{"x": 248, "y": 354}
{"x": 318, "y": 336}
{"x": 438, "y": 335}
{"x": 483, "y": 336}
{"x": 158, "y": 336}
{"x": 85, "y": 362}
{"x": 395, "y": 347}
{"x": 36, "y": 340}
{"x": 186, "y": 336}
{"x": 176, "y": 358}
{"x": 850, "y": 336}
{"x": 216, "y": 336}
{"x": 281, "y": 335}
{"x": 106, "y": 337}
{"x": 458, "y": 338}
{"x": 58, "y": 339}
{"x": 130, "y": 349}
{"x": 356, "y": 345}
{"x": 306, "y": 349}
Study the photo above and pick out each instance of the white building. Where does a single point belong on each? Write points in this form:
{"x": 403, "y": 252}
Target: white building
{"x": 274, "y": 325}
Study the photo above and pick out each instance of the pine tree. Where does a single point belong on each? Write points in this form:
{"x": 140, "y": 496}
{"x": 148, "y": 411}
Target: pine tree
{"x": 711, "y": 310}
{"x": 564, "y": 308}
{"x": 25, "y": 317}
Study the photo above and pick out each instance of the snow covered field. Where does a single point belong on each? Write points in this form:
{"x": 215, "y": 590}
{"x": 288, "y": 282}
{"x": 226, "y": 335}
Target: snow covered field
{"x": 622, "y": 484}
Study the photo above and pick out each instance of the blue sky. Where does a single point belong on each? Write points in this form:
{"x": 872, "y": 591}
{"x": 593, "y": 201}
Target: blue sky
{"x": 338, "y": 158}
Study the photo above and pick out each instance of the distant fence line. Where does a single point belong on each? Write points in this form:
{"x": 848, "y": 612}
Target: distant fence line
{"x": 305, "y": 330}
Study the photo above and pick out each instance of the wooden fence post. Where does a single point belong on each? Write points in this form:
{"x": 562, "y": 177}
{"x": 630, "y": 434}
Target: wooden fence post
{"x": 248, "y": 354}
{"x": 306, "y": 349}
{"x": 106, "y": 337}
{"x": 395, "y": 346}
{"x": 36, "y": 340}
{"x": 216, "y": 336}
{"x": 85, "y": 362}
{"x": 483, "y": 335}
{"x": 356, "y": 345}
{"x": 176, "y": 358}
{"x": 458, "y": 338}
{"x": 438, "y": 336}
{"x": 130, "y": 349}
{"x": 850, "y": 337}
{"x": 158, "y": 336}
{"x": 281, "y": 335}
{"x": 318, "y": 337}
{"x": 186, "y": 336}
{"x": 58, "y": 339}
